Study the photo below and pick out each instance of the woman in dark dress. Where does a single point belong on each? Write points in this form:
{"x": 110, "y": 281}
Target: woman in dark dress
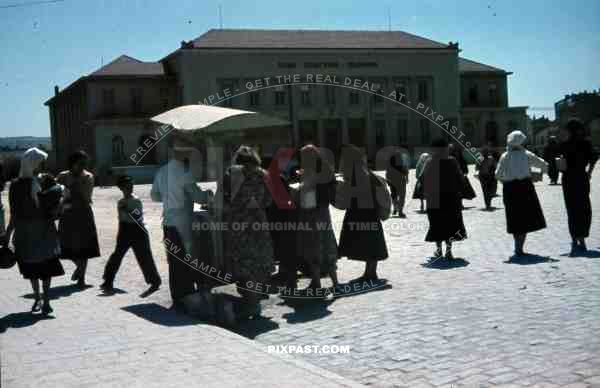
{"x": 443, "y": 182}
{"x": 35, "y": 236}
{"x": 316, "y": 243}
{"x": 283, "y": 211}
{"x": 580, "y": 160}
{"x": 362, "y": 235}
{"x": 523, "y": 211}
{"x": 487, "y": 178}
{"x": 77, "y": 227}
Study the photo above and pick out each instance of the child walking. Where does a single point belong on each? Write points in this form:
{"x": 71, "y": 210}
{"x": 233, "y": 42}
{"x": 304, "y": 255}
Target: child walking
{"x": 132, "y": 234}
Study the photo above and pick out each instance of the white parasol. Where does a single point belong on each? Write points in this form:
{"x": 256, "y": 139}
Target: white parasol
{"x": 215, "y": 119}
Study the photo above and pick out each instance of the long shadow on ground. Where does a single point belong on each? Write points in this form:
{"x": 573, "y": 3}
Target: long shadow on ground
{"x": 61, "y": 291}
{"x": 20, "y": 320}
{"x": 160, "y": 315}
{"x": 589, "y": 254}
{"x": 443, "y": 263}
{"x": 530, "y": 259}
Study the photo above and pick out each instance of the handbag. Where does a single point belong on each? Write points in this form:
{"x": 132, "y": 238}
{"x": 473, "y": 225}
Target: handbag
{"x": 7, "y": 258}
{"x": 383, "y": 198}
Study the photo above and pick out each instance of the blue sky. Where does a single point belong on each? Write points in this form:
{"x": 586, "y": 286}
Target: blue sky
{"x": 552, "y": 47}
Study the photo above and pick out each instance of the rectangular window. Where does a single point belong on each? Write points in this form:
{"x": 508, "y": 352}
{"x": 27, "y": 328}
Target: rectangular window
{"x": 380, "y": 133}
{"x": 354, "y": 98}
{"x": 279, "y": 95}
{"x": 108, "y": 101}
{"x": 423, "y": 91}
{"x": 230, "y": 86}
{"x": 330, "y": 95}
{"x": 425, "y": 133}
{"x": 402, "y": 130}
{"x": 377, "y": 97}
{"x": 254, "y": 98}
{"x": 473, "y": 95}
{"x": 305, "y": 95}
{"x": 401, "y": 94}
{"x": 136, "y": 100}
{"x": 493, "y": 94}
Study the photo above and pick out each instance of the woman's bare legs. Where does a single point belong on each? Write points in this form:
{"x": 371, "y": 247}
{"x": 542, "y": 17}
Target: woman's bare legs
{"x": 519, "y": 243}
{"x": 46, "y": 309}
{"x": 37, "y": 303}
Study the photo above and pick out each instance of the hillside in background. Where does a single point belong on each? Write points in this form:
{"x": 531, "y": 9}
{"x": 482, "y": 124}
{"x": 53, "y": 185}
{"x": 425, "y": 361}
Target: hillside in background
{"x": 24, "y": 142}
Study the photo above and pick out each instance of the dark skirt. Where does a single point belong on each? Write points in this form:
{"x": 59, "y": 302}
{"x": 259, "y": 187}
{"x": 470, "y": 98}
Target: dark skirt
{"x": 446, "y": 222}
{"x": 362, "y": 236}
{"x": 78, "y": 236}
{"x": 523, "y": 211}
{"x": 576, "y": 190}
{"x": 468, "y": 191}
{"x": 418, "y": 191}
{"x": 41, "y": 270}
{"x": 35, "y": 240}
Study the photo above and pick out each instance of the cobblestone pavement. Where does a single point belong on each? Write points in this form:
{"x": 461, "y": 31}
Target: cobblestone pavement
{"x": 479, "y": 322}
{"x": 94, "y": 340}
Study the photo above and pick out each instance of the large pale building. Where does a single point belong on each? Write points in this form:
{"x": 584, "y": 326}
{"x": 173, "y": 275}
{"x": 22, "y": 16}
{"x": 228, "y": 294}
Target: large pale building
{"x": 107, "y": 112}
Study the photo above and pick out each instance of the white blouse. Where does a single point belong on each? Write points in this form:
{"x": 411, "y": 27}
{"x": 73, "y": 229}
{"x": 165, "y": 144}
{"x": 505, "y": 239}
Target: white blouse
{"x": 517, "y": 164}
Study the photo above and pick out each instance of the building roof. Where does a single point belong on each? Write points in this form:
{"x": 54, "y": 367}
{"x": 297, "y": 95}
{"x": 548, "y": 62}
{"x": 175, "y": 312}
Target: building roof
{"x": 469, "y": 66}
{"x": 312, "y": 39}
{"x": 126, "y": 65}
{"x": 123, "y": 66}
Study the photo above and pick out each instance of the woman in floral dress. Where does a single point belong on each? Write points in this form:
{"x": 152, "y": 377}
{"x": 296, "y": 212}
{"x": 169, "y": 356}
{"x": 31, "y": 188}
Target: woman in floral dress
{"x": 248, "y": 248}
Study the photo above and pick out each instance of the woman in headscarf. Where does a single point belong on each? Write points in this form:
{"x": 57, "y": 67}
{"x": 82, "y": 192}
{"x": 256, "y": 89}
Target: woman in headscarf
{"x": 443, "y": 182}
{"x": 316, "y": 241}
{"x": 580, "y": 160}
{"x": 362, "y": 235}
{"x": 77, "y": 227}
{"x": 523, "y": 211}
{"x": 35, "y": 236}
{"x": 247, "y": 244}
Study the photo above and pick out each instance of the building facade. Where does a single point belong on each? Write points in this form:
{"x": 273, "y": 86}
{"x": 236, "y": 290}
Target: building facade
{"x": 107, "y": 114}
{"x": 243, "y": 69}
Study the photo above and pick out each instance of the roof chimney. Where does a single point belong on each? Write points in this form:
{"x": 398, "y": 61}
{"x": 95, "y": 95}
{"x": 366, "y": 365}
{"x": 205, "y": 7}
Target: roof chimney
{"x": 56, "y": 90}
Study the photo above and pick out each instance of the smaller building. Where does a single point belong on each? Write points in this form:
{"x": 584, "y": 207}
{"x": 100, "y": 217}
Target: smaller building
{"x": 584, "y": 105}
{"x": 107, "y": 114}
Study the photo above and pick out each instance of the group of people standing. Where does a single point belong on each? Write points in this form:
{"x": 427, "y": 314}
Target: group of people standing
{"x": 36, "y": 201}
{"x": 249, "y": 195}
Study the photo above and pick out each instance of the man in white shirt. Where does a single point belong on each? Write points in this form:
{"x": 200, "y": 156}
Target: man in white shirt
{"x": 175, "y": 186}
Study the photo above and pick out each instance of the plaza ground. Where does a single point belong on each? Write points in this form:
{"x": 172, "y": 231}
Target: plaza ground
{"x": 478, "y": 321}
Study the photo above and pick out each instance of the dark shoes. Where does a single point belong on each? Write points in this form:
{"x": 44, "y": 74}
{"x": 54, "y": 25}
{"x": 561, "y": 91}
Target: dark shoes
{"x": 577, "y": 249}
{"x": 107, "y": 287}
{"x": 46, "y": 308}
{"x": 151, "y": 290}
{"x": 37, "y": 306}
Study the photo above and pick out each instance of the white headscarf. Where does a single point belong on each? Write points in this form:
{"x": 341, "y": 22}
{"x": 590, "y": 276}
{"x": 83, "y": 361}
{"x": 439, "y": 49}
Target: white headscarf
{"x": 31, "y": 160}
{"x": 515, "y": 139}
